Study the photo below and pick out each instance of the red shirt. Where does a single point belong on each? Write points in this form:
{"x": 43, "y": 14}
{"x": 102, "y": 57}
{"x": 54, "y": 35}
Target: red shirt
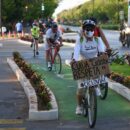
{"x": 96, "y": 32}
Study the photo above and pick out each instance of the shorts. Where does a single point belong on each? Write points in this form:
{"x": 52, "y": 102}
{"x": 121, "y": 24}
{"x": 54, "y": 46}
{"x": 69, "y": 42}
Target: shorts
{"x": 36, "y": 38}
{"x": 19, "y": 31}
{"x": 47, "y": 47}
{"x": 80, "y": 90}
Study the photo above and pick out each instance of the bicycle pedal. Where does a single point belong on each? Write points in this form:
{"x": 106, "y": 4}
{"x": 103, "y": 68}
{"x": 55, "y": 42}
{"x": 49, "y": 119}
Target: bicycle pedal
{"x": 49, "y": 68}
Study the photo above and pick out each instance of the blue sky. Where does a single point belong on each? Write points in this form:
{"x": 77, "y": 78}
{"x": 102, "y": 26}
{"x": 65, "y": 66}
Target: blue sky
{"x": 67, "y": 4}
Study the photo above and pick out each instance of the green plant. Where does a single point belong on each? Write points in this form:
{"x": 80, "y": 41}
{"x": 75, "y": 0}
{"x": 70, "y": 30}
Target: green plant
{"x": 36, "y": 80}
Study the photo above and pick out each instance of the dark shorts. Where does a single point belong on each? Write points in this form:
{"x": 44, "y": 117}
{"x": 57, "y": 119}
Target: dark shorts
{"x": 19, "y": 31}
{"x": 36, "y": 38}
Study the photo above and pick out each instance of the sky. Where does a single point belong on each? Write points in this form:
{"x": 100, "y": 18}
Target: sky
{"x": 68, "y": 4}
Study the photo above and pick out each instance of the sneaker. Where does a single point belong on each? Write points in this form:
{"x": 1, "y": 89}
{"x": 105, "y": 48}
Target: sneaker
{"x": 49, "y": 65}
{"x": 37, "y": 53}
{"x": 31, "y": 45}
{"x": 98, "y": 91}
{"x": 78, "y": 110}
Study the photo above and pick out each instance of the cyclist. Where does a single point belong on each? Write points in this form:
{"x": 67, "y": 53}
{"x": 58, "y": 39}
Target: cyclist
{"x": 98, "y": 33}
{"x": 86, "y": 47}
{"x": 53, "y": 38}
{"x": 35, "y": 31}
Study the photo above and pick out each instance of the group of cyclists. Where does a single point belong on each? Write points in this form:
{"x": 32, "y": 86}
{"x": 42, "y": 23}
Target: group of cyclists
{"x": 89, "y": 43}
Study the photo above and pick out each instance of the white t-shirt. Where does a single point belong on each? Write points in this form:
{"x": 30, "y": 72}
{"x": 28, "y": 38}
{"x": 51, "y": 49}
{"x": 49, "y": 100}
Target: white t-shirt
{"x": 53, "y": 36}
{"x": 87, "y": 49}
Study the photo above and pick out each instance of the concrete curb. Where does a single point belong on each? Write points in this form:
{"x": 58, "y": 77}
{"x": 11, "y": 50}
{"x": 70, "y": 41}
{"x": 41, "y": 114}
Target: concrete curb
{"x": 34, "y": 114}
{"x": 29, "y": 43}
{"x": 120, "y": 89}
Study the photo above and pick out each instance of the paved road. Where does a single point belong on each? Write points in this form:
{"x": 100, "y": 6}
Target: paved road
{"x": 112, "y": 37}
{"x": 19, "y": 99}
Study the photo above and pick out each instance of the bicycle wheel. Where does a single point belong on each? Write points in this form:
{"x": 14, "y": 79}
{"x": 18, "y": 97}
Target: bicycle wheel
{"x": 84, "y": 107}
{"x": 58, "y": 64}
{"x": 104, "y": 90}
{"x": 92, "y": 107}
{"x": 34, "y": 48}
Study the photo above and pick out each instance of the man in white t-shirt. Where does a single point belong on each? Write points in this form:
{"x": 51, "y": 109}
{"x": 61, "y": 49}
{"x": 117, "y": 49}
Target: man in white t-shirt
{"x": 86, "y": 47}
{"x": 53, "y": 38}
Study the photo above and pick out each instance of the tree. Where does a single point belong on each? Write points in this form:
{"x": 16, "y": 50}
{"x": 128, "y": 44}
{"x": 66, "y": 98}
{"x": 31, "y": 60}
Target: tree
{"x": 13, "y": 10}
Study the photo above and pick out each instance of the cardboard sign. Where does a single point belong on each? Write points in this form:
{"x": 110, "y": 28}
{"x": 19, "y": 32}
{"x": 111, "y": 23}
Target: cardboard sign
{"x": 90, "y": 69}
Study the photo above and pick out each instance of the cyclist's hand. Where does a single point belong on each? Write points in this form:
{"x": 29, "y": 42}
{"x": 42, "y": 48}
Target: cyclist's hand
{"x": 72, "y": 61}
{"x": 108, "y": 51}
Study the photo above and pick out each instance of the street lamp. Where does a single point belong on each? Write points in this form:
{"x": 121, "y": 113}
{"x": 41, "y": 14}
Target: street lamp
{"x": 26, "y": 7}
{"x": 42, "y": 8}
{"x": 1, "y": 17}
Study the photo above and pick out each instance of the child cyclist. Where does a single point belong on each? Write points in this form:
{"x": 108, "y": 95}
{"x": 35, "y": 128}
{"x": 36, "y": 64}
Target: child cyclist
{"x": 86, "y": 47}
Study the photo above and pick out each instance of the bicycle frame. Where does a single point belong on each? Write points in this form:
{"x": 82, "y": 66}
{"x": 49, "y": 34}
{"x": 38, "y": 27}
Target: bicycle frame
{"x": 55, "y": 59}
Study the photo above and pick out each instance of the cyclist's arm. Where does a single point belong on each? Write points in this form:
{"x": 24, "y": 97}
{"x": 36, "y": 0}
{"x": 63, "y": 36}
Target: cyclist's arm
{"x": 48, "y": 41}
{"x": 104, "y": 38}
{"x": 77, "y": 49}
{"x": 60, "y": 39}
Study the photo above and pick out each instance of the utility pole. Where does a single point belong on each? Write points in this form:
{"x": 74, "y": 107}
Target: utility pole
{"x": 93, "y": 6}
{"x": 1, "y": 17}
{"x": 129, "y": 13}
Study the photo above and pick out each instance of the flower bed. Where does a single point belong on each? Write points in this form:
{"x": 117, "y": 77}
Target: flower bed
{"x": 36, "y": 81}
{"x": 38, "y": 95}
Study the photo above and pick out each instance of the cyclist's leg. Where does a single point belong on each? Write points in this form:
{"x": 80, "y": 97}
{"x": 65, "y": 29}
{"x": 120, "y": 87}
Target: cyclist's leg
{"x": 48, "y": 54}
{"x": 79, "y": 96}
{"x": 57, "y": 49}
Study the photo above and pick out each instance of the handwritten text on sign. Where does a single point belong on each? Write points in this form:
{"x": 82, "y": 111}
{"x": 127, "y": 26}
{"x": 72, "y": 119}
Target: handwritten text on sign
{"x": 90, "y": 69}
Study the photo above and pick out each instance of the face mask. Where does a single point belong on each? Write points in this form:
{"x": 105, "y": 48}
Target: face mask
{"x": 89, "y": 34}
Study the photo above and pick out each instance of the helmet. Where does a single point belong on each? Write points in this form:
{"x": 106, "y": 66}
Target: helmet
{"x": 94, "y": 19}
{"x": 54, "y": 25}
{"x": 88, "y": 25}
{"x": 34, "y": 24}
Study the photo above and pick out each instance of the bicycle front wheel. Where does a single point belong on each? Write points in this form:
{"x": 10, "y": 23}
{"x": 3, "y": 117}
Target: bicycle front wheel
{"x": 92, "y": 107}
{"x": 58, "y": 64}
{"x": 104, "y": 90}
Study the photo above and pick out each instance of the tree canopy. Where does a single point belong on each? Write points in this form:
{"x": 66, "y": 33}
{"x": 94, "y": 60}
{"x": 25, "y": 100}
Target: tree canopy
{"x": 103, "y": 10}
{"x": 13, "y": 10}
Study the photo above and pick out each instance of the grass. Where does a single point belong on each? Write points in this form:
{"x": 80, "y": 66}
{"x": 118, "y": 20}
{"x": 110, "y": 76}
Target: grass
{"x": 121, "y": 69}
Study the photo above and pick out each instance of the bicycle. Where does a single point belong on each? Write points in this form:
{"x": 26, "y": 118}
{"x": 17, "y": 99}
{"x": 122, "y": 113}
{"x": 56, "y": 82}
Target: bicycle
{"x": 89, "y": 101}
{"x": 104, "y": 86}
{"x": 57, "y": 63}
{"x": 33, "y": 44}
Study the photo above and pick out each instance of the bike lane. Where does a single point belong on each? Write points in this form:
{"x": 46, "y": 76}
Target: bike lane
{"x": 113, "y": 113}
{"x": 64, "y": 88}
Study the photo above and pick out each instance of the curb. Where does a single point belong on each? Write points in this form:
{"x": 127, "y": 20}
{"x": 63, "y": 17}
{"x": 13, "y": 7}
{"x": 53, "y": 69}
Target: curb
{"x": 120, "y": 89}
{"x": 34, "y": 114}
{"x": 64, "y": 43}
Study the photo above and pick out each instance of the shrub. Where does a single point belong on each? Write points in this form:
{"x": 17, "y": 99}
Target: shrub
{"x": 36, "y": 80}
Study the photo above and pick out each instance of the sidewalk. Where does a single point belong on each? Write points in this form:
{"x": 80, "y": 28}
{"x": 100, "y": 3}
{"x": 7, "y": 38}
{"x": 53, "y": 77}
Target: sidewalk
{"x": 13, "y": 102}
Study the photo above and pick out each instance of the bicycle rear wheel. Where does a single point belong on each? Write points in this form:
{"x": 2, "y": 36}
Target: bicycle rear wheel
{"x": 34, "y": 48}
{"x": 58, "y": 64}
{"x": 104, "y": 90}
{"x": 92, "y": 107}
